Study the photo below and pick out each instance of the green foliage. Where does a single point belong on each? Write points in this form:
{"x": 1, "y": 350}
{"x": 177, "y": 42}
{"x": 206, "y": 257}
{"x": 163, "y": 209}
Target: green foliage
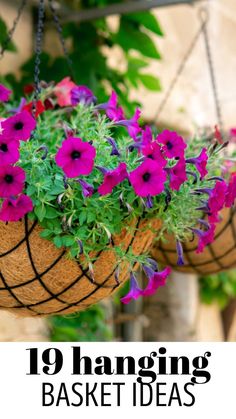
{"x": 220, "y": 288}
{"x": 86, "y": 326}
{"x": 3, "y": 36}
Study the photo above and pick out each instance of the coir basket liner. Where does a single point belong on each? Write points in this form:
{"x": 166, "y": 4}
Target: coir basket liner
{"x": 218, "y": 256}
{"x": 38, "y": 279}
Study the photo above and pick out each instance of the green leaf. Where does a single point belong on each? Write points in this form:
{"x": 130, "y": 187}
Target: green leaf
{"x": 130, "y": 38}
{"x": 51, "y": 213}
{"x": 3, "y": 37}
{"x": 45, "y": 234}
{"x": 40, "y": 212}
{"x": 58, "y": 241}
{"x": 150, "y": 82}
{"x": 148, "y": 20}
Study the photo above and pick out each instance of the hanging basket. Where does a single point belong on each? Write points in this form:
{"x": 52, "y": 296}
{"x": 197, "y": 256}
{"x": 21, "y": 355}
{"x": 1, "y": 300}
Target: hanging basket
{"x": 38, "y": 279}
{"x": 218, "y": 256}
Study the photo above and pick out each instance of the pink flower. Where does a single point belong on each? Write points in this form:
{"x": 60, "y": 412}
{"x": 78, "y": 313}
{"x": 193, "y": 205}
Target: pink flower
{"x": 217, "y": 197}
{"x": 146, "y": 135}
{"x": 4, "y": 93}
{"x": 63, "y": 91}
{"x": 82, "y": 94}
{"x": 177, "y": 175}
{"x": 113, "y": 111}
{"x": 148, "y": 178}
{"x": 153, "y": 151}
{"x": 134, "y": 292}
{"x": 231, "y": 191}
{"x": 205, "y": 237}
{"x": 19, "y": 126}
{"x": 113, "y": 178}
{"x": 200, "y": 162}
{"x": 132, "y": 124}
{"x": 12, "y": 180}
{"x": 13, "y": 209}
{"x": 87, "y": 189}
{"x": 156, "y": 280}
{"x": 9, "y": 151}
{"x": 76, "y": 157}
{"x": 173, "y": 144}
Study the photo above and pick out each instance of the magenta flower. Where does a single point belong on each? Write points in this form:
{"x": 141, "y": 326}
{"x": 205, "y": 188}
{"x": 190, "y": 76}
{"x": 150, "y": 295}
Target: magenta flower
{"x": 148, "y": 178}
{"x": 9, "y": 151}
{"x": 4, "y": 93}
{"x": 200, "y": 162}
{"x": 13, "y": 209}
{"x": 134, "y": 292}
{"x": 19, "y": 126}
{"x": 153, "y": 151}
{"x": 76, "y": 157}
{"x": 177, "y": 175}
{"x": 155, "y": 280}
{"x": 113, "y": 111}
{"x": 63, "y": 90}
{"x": 132, "y": 125}
{"x": 173, "y": 144}
{"x": 205, "y": 237}
{"x": 231, "y": 191}
{"x": 146, "y": 135}
{"x": 82, "y": 94}
{"x": 12, "y": 180}
{"x": 87, "y": 189}
{"x": 113, "y": 178}
{"x": 217, "y": 198}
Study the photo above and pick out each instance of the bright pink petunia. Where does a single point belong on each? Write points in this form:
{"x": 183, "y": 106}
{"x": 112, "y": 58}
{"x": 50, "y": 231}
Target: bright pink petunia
{"x": 177, "y": 175}
{"x": 153, "y": 151}
{"x": 13, "y": 209}
{"x": 134, "y": 292}
{"x": 4, "y": 93}
{"x": 12, "y": 180}
{"x": 173, "y": 144}
{"x": 148, "y": 179}
{"x": 217, "y": 197}
{"x": 231, "y": 191}
{"x": 19, "y": 126}
{"x": 113, "y": 178}
{"x": 146, "y": 135}
{"x": 113, "y": 111}
{"x": 205, "y": 238}
{"x": 156, "y": 280}
{"x": 63, "y": 90}
{"x": 76, "y": 157}
{"x": 132, "y": 125}
{"x": 200, "y": 162}
{"x": 82, "y": 94}
{"x": 9, "y": 151}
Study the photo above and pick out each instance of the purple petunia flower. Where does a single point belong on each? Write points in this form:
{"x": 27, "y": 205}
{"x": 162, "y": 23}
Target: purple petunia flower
{"x": 153, "y": 151}
{"x": 134, "y": 292}
{"x": 9, "y": 151}
{"x": 155, "y": 280}
{"x": 113, "y": 178}
{"x": 177, "y": 175}
{"x": 87, "y": 189}
{"x": 148, "y": 178}
{"x": 114, "y": 151}
{"x": 4, "y": 93}
{"x": 82, "y": 94}
{"x": 146, "y": 135}
{"x": 173, "y": 144}
{"x": 76, "y": 157}
{"x": 12, "y": 180}
{"x": 132, "y": 125}
{"x": 13, "y": 209}
{"x": 19, "y": 126}
{"x": 216, "y": 200}
{"x": 200, "y": 162}
{"x": 115, "y": 113}
{"x": 180, "y": 253}
{"x": 205, "y": 237}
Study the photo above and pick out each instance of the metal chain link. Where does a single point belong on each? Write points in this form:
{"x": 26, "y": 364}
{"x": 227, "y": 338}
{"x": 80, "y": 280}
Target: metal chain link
{"x": 60, "y": 33}
{"x": 13, "y": 28}
{"x": 38, "y": 49}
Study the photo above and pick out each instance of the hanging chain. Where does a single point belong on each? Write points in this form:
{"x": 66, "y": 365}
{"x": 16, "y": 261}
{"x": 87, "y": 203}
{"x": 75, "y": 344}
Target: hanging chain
{"x": 60, "y": 33}
{"x": 203, "y": 14}
{"x": 12, "y": 30}
{"x": 38, "y": 50}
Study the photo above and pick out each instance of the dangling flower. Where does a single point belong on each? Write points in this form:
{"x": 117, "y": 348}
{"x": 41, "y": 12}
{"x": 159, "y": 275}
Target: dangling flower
{"x": 34, "y": 109}
{"x": 132, "y": 125}
{"x": 63, "y": 90}
{"x": 180, "y": 253}
{"x": 19, "y": 126}
{"x": 87, "y": 189}
{"x": 82, "y": 94}
{"x": 76, "y": 157}
{"x": 12, "y": 180}
{"x": 173, "y": 144}
{"x": 9, "y": 151}
{"x": 113, "y": 178}
{"x": 134, "y": 292}
{"x": 153, "y": 151}
{"x": 205, "y": 237}
{"x": 13, "y": 209}
{"x": 4, "y": 93}
{"x": 217, "y": 197}
{"x": 155, "y": 280}
{"x": 200, "y": 162}
{"x": 114, "y": 112}
{"x": 177, "y": 175}
{"x": 114, "y": 151}
{"x": 231, "y": 191}
{"x": 148, "y": 178}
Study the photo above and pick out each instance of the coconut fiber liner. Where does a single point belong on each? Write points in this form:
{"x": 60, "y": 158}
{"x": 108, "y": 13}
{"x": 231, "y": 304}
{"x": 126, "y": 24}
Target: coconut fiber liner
{"x": 217, "y": 256}
{"x": 38, "y": 279}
